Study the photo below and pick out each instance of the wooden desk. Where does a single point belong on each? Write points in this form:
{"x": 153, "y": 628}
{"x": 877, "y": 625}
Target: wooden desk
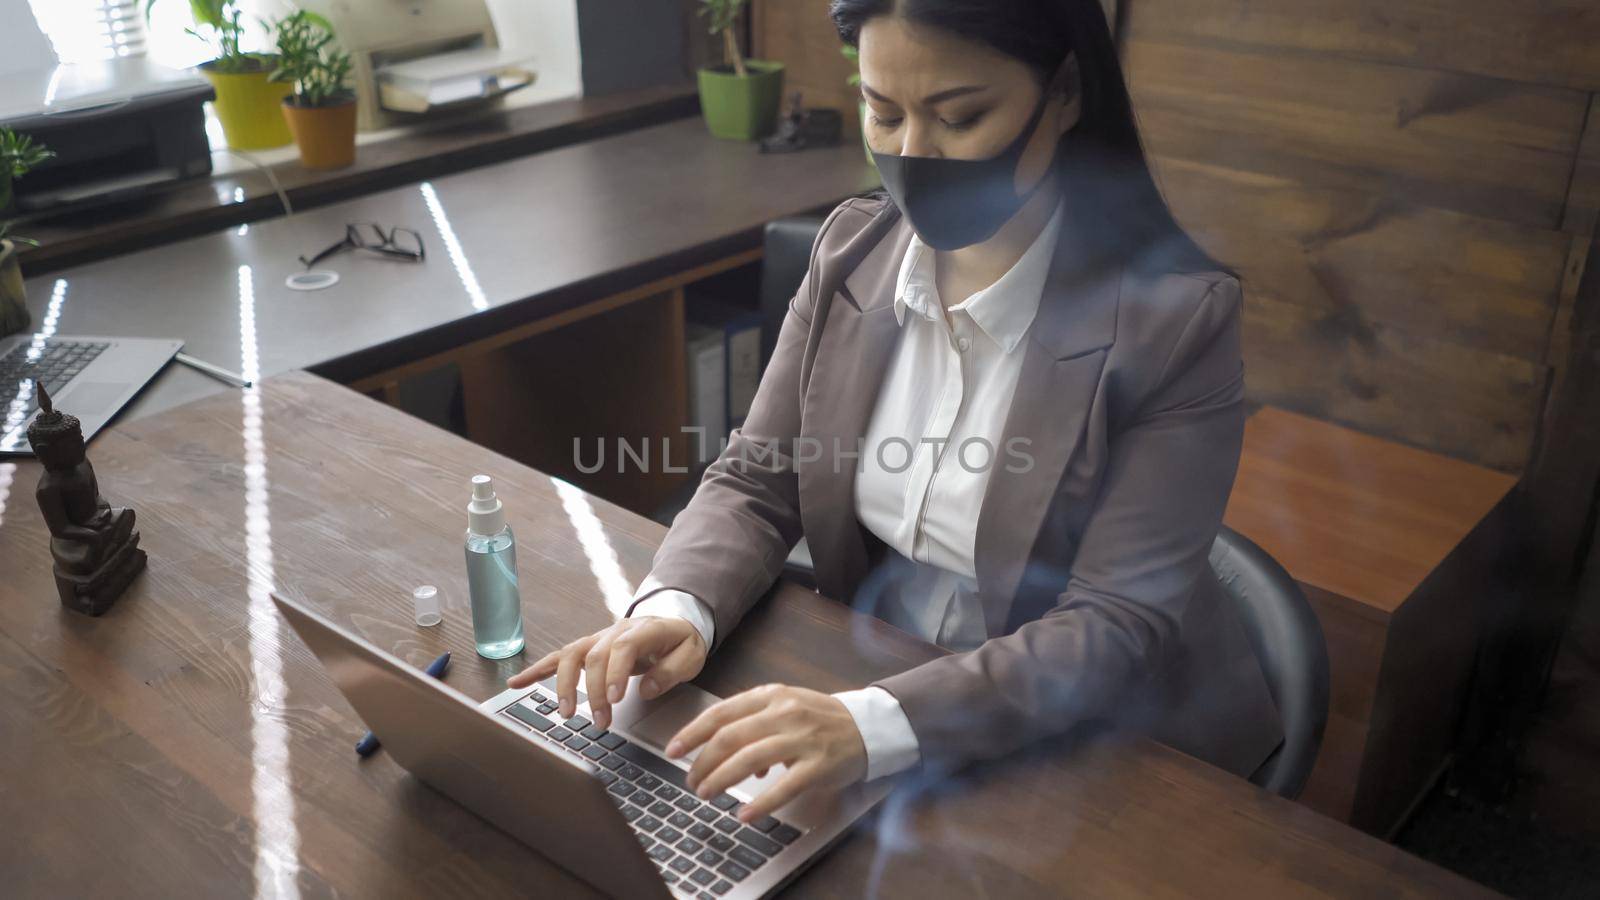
{"x": 606, "y": 233}
{"x": 197, "y": 206}
{"x": 1394, "y": 548}
{"x": 187, "y": 744}
{"x": 509, "y": 246}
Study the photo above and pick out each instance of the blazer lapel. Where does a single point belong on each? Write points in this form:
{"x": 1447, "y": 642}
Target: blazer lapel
{"x": 852, "y": 356}
{"x": 1055, "y": 396}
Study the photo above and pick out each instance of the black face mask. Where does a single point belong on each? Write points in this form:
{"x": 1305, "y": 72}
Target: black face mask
{"x": 955, "y": 203}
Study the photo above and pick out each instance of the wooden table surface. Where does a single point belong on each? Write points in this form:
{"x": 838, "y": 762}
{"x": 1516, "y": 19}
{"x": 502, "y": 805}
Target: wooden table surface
{"x": 187, "y": 744}
{"x": 1354, "y": 514}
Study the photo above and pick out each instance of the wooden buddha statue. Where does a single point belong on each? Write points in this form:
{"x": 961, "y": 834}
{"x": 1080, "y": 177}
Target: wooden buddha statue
{"x": 95, "y": 548}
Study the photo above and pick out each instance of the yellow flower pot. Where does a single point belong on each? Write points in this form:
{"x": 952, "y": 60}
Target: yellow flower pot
{"x": 250, "y": 107}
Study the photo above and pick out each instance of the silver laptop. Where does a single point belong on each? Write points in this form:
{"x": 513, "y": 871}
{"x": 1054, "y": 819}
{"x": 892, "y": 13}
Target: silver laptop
{"x": 90, "y": 377}
{"x": 606, "y": 805}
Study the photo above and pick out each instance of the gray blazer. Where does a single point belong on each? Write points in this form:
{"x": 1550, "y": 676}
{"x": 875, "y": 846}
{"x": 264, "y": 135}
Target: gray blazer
{"x": 1092, "y": 544}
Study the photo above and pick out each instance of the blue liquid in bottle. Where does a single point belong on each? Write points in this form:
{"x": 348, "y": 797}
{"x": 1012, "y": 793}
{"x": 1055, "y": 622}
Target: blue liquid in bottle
{"x": 492, "y": 575}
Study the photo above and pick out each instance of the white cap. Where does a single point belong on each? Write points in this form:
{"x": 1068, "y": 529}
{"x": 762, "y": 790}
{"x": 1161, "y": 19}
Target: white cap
{"x": 485, "y": 515}
{"x": 426, "y": 601}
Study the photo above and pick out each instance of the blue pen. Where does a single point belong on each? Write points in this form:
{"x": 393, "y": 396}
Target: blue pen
{"x": 369, "y": 744}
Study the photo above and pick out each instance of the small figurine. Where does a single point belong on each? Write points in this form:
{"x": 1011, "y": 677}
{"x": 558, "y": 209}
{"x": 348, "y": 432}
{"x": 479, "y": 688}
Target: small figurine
{"x": 802, "y": 128}
{"x": 95, "y": 547}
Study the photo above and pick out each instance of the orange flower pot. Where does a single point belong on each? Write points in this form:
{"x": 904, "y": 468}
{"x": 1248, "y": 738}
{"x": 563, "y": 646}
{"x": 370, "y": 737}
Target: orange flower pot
{"x": 326, "y": 135}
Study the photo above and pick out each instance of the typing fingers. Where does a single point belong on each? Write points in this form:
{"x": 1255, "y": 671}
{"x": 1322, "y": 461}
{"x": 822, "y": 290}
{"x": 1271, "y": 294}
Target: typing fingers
{"x": 567, "y": 669}
{"x": 543, "y": 668}
{"x": 729, "y": 740}
{"x": 619, "y": 665}
{"x": 768, "y": 751}
{"x": 798, "y": 779}
{"x": 721, "y": 713}
{"x": 595, "y": 664}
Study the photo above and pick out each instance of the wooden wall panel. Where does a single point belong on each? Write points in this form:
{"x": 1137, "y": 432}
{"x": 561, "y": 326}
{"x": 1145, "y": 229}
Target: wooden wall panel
{"x": 1418, "y": 324}
{"x": 1584, "y": 203}
{"x": 1401, "y": 215}
{"x": 1372, "y": 259}
{"x": 799, "y": 34}
{"x": 1459, "y": 142}
{"x": 1411, "y": 387}
{"x": 1537, "y": 41}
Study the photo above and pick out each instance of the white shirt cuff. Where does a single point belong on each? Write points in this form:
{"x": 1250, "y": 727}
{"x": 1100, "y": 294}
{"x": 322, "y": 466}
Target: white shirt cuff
{"x": 885, "y": 730}
{"x": 671, "y": 603}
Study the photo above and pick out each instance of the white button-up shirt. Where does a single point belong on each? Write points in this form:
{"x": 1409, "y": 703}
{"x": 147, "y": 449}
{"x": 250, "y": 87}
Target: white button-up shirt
{"x": 933, "y": 438}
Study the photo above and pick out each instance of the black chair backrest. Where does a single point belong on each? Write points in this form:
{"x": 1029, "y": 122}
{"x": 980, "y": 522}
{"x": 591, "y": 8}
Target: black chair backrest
{"x": 1283, "y": 629}
{"x": 787, "y": 249}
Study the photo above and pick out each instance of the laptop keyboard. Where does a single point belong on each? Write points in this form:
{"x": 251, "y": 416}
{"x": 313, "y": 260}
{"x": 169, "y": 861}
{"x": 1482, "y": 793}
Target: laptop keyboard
{"x": 700, "y": 847}
{"x": 58, "y": 362}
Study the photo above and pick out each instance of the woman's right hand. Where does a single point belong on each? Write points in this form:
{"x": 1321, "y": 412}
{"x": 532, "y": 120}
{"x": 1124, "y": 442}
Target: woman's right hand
{"x": 664, "y": 650}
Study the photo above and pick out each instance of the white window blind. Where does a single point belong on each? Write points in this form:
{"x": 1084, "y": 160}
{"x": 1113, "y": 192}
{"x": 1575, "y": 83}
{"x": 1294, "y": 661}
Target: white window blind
{"x": 87, "y": 30}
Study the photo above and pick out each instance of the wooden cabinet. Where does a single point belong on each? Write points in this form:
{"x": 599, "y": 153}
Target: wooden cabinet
{"x": 1395, "y": 547}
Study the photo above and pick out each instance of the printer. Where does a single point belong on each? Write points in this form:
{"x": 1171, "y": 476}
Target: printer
{"x": 119, "y": 127}
{"x": 414, "y": 60}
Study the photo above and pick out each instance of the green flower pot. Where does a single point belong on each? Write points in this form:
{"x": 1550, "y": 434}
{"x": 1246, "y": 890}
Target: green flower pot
{"x": 742, "y": 109}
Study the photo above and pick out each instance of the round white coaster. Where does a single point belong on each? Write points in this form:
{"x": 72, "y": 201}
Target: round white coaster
{"x": 311, "y": 281}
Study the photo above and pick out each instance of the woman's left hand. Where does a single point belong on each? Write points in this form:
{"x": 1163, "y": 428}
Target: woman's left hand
{"x": 809, "y": 732}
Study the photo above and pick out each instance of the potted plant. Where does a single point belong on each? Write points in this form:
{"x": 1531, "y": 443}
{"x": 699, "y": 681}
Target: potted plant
{"x": 247, "y": 102}
{"x": 854, "y": 55}
{"x": 18, "y": 154}
{"x": 321, "y": 110}
{"x": 739, "y": 98}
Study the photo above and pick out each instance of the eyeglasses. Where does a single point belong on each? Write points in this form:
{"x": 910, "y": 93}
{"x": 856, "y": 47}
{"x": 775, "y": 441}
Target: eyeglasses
{"x": 397, "y": 243}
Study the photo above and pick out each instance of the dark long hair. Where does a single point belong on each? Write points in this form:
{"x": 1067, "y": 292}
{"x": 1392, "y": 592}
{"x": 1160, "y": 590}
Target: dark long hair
{"x": 1102, "y": 164}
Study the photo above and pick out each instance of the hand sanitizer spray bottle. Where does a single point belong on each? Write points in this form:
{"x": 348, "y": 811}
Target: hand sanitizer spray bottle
{"x": 492, "y": 574}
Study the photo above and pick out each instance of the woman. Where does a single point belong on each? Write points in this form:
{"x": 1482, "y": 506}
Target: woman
{"x": 1005, "y": 411}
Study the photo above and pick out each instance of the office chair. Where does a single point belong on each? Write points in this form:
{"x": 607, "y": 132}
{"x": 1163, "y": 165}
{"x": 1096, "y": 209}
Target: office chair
{"x": 786, "y": 254}
{"x": 1289, "y": 645}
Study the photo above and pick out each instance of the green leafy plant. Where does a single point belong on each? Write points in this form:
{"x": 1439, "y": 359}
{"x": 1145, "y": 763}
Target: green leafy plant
{"x": 18, "y": 155}
{"x": 724, "y": 14}
{"x": 309, "y": 59}
{"x": 217, "y": 23}
{"x": 854, "y": 55}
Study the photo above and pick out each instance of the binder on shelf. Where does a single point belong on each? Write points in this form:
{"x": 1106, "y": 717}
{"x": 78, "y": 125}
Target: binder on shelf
{"x": 708, "y": 411}
{"x": 724, "y": 353}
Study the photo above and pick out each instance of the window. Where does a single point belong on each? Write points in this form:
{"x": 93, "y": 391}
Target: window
{"x": 88, "y": 30}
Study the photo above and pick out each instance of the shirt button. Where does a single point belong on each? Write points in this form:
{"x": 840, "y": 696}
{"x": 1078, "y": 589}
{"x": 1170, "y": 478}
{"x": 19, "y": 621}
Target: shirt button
{"x": 964, "y": 345}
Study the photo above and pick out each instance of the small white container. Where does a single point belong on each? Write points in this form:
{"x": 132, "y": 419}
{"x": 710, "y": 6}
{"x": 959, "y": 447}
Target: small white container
{"x": 426, "y": 601}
